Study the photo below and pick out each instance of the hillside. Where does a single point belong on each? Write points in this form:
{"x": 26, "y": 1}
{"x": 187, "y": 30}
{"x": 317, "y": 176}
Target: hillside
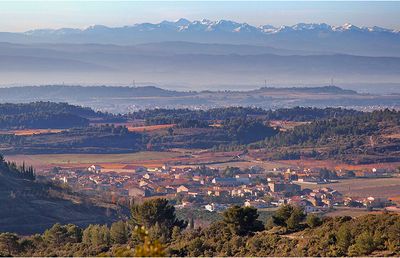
{"x": 28, "y": 206}
{"x": 355, "y": 139}
{"x": 40, "y": 115}
{"x": 239, "y": 231}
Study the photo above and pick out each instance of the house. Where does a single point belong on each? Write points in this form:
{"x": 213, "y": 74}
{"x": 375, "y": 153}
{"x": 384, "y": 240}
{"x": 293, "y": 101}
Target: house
{"x": 147, "y": 176}
{"x": 258, "y": 204}
{"x": 225, "y": 181}
{"x": 215, "y": 207}
{"x": 182, "y": 188}
{"x": 218, "y": 192}
{"x": 243, "y": 178}
{"x": 94, "y": 169}
{"x": 312, "y": 209}
{"x": 139, "y": 192}
{"x": 308, "y": 180}
{"x": 276, "y": 186}
{"x": 284, "y": 187}
{"x": 376, "y": 202}
{"x": 154, "y": 169}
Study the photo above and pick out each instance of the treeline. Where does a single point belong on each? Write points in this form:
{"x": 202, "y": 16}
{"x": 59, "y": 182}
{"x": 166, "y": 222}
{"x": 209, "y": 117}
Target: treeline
{"x": 244, "y": 131}
{"x": 46, "y": 107}
{"x": 154, "y": 230}
{"x": 42, "y": 120}
{"x": 235, "y": 131}
{"x": 42, "y": 115}
{"x": 11, "y": 168}
{"x": 176, "y": 116}
{"x": 302, "y": 114}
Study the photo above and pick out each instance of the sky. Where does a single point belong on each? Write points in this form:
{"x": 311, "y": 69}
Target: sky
{"x": 17, "y": 16}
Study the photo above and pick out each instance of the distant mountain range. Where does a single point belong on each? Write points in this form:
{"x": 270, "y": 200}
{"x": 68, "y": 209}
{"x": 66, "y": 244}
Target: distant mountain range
{"x": 190, "y": 64}
{"x": 349, "y": 39}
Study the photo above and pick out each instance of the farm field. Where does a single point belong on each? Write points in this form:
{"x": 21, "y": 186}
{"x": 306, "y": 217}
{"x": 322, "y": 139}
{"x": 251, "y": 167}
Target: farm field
{"x": 181, "y": 158}
{"x": 365, "y": 187}
{"x": 26, "y": 132}
{"x": 77, "y": 159}
{"x": 349, "y": 211}
{"x": 332, "y": 164}
{"x": 149, "y": 128}
{"x": 122, "y": 162}
{"x": 138, "y": 126}
{"x": 267, "y": 165}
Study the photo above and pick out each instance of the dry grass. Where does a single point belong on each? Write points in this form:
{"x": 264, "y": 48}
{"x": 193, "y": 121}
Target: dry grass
{"x": 336, "y": 165}
{"x": 79, "y": 159}
{"x": 365, "y": 187}
{"x": 149, "y": 128}
{"x": 392, "y": 136}
{"x": 27, "y": 132}
{"x": 349, "y": 211}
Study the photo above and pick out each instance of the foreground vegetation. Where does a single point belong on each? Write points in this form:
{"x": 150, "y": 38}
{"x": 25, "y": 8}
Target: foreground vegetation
{"x": 154, "y": 230}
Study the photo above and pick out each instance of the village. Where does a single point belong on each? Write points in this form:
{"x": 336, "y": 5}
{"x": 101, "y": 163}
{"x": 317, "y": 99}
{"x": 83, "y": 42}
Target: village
{"x": 214, "y": 190}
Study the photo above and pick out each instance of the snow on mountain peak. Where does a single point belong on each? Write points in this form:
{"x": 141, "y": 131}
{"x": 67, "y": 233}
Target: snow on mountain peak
{"x": 206, "y": 25}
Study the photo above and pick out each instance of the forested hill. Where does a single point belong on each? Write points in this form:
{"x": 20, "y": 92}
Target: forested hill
{"x": 47, "y": 115}
{"x": 27, "y": 206}
{"x": 163, "y": 116}
{"x": 43, "y": 107}
{"x": 362, "y": 138}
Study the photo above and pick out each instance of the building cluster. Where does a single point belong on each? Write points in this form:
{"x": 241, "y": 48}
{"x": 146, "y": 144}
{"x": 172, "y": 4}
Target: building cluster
{"x": 213, "y": 190}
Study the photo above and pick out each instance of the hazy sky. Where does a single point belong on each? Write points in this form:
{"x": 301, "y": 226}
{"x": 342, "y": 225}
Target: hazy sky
{"x": 26, "y": 15}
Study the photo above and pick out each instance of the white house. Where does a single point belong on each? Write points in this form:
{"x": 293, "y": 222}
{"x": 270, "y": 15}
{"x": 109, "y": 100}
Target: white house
{"x": 94, "y": 169}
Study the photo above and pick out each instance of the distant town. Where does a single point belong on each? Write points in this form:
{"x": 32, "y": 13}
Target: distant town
{"x": 215, "y": 190}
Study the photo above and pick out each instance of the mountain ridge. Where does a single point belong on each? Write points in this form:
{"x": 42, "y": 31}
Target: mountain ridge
{"x": 348, "y": 38}
{"x": 209, "y": 25}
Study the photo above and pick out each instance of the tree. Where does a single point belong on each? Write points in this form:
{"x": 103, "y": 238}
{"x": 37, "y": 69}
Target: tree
{"x": 394, "y": 237}
{"x": 155, "y": 211}
{"x": 282, "y": 215}
{"x": 148, "y": 247}
{"x": 344, "y": 239}
{"x": 96, "y": 235}
{"x": 119, "y": 232}
{"x": 364, "y": 245}
{"x": 242, "y": 220}
{"x": 8, "y": 244}
{"x": 270, "y": 224}
{"x": 313, "y": 221}
{"x": 295, "y": 218}
{"x": 56, "y": 235}
{"x": 289, "y": 216}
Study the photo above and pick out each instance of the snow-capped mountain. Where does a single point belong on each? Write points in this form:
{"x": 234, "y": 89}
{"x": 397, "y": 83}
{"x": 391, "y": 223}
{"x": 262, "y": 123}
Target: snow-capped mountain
{"x": 184, "y": 25}
{"x": 348, "y": 38}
